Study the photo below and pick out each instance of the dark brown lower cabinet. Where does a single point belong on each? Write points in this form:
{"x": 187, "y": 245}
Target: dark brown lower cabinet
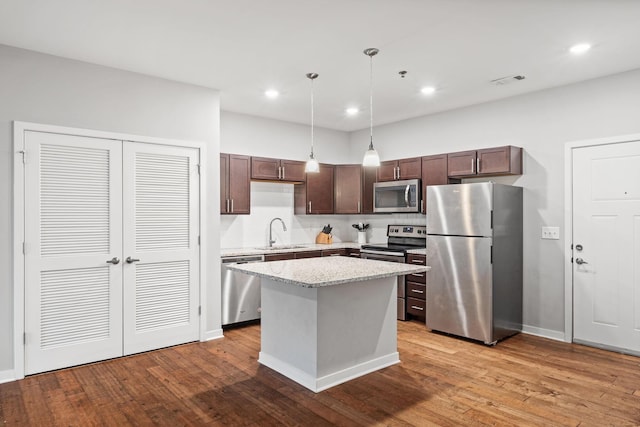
{"x": 416, "y": 289}
{"x": 334, "y": 252}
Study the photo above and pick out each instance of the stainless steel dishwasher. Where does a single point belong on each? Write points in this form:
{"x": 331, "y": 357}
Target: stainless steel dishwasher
{"x": 240, "y": 292}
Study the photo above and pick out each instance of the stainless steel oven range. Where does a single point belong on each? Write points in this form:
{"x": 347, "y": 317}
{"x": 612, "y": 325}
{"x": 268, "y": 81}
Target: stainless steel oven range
{"x": 400, "y": 239}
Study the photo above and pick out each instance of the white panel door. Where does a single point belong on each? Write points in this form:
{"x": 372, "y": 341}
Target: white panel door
{"x": 161, "y": 224}
{"x": 606, "y": 239}
{"x": 73, "y": 219}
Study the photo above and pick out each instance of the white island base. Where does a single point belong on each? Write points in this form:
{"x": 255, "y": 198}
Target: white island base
{"x": 323, "y": 336}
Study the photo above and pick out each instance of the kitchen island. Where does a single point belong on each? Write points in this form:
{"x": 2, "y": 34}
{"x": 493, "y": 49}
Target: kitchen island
{"x": 328, "y": 320}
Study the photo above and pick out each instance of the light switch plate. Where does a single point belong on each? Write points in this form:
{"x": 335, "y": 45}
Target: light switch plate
{"x": 551, "y": 233}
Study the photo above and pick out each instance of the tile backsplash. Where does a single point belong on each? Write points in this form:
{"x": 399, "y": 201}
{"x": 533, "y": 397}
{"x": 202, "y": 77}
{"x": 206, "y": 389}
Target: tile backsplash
{"x": 271, "y": 200}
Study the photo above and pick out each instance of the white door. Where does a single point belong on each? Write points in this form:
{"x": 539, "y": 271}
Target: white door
{"x": 161, "y": 248}
{"x": 73, "y": 227}
{"x": 90, "y": 204}
{"x": 606, "y": 239}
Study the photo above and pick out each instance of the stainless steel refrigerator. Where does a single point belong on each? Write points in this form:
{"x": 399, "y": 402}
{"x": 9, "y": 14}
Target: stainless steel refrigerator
{"x": 474, "y": 249}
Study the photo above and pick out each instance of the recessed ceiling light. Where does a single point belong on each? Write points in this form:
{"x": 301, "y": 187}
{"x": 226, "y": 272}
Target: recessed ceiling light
{"x": 352, "y": 110}
{"x": 428, "y": 90}
{"x": 580, "y": 48}
{"x": 271, "y": 93}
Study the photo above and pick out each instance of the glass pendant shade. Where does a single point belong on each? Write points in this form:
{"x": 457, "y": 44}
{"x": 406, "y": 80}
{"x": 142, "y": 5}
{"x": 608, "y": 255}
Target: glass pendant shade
{"x": 312, "y": 165}
{"x": 371, "y": 157}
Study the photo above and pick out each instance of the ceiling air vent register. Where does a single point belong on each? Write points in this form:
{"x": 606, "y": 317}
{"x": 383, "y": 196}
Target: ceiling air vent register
{"x": 506, "y": 80}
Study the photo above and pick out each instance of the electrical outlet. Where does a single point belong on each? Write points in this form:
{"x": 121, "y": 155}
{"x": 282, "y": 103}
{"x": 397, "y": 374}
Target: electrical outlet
{"x": 551, "y": 233}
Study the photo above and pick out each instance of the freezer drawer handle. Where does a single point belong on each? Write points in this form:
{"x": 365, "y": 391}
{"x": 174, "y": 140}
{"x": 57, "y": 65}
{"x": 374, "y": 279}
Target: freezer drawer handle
{"x": 415, "y": 307}
{"x": 417, "y": 291}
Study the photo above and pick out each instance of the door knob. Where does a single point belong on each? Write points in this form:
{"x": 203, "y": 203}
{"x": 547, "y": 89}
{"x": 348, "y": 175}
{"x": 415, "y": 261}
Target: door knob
{"x": 131, "y": 260}
{"x": 580, "y": 261}
{"x": 115, "y": 260}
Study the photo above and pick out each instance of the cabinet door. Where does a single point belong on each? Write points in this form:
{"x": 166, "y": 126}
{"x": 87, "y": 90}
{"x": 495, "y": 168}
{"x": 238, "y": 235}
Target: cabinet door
{"x": 500, "y": 161}
{"x": 224, "y": 183}
{"x": 293, "y": 170}
{"x": 369, "y": 176}
{"x": 239, "y": 184}
{"x": 348, "y": 188}
{"x": 410, "y": 168}
{"x": 387, "y": 170}
{"x": 320, "y": 190}
{"x": 462, "y": 163}
{"x": 265, "y": 168}
{"x": 434, "y": 172}
{"x": 334, "y": 252}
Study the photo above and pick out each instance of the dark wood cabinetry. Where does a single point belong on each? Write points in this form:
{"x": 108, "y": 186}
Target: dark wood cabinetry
{"x": 293, "y": 255}
{"x": 434, "y": 172}
{"x": 235, "y": 184}
{"x": 316, "y": 196}
{"x": 335, "y": 252}
{"x": 495, "y": 161}
{"x": 416, "y": 288}
{"x": 354, "y": 189}
{"x": 400, "y": 169}
{"x": 268, "y": 169}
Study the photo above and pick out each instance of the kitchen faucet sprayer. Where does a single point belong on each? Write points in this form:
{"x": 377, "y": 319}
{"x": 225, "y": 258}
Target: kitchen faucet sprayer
{"x": 284, "y": 228}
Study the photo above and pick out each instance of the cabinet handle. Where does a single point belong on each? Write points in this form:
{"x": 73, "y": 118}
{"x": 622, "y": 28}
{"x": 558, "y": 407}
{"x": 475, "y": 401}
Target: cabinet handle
{"x": 309, "y": 206}
{"x": 417, "y": 275}
{"x": 358, "y": 206}
{"x": 231, "y": 205}
{"x": 422, "y": 205}
{"x": 227, "y": 206}
{"x": 415, "y": 307}
{"x": 417, "y": 291}
{"x": 279, "y": 172}
{"x": 473, "y": 165}
{"x": 398, "y": 172}
{"x": 418, "y": 261}
{"x": 478, "y": 165}
{"x": 282, "y": 172}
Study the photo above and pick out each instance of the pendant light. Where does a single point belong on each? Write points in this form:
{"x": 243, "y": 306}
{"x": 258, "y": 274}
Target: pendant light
{"x": 371, "y": 157}
{"x": 312, "y": 165}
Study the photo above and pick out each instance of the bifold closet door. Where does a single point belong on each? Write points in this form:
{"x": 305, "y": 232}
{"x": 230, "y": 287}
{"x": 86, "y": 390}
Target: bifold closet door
{"x": 73, "y": 242}
{"x": 161, "y": 248}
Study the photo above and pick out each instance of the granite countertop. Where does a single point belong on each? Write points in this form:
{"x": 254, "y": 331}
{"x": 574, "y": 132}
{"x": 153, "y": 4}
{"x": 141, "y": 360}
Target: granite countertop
{"x": 326, "y": 271}
{"x": 278, "y": 249}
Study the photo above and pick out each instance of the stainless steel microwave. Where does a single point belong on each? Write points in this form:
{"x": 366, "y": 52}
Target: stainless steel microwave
{"x": 396, "y": 196}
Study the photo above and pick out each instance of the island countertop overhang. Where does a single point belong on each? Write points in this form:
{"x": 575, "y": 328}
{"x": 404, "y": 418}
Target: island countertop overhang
{"x": 326, "y": 271}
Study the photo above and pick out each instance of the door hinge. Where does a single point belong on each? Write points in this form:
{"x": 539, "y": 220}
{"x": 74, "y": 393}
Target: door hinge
{"x": 491, "y": 256}
{"x": 24, "y": 338}
{"x": 491, "y": 220}
{"x": 571, "y": 260}
{"x": 199, "y": 310}
{"x": 198, "y": 240}
{"x": 198, "y": 165}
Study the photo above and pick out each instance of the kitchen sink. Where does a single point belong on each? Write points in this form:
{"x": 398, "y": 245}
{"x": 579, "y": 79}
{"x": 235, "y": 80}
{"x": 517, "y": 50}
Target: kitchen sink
{"x": 273, "y": 248}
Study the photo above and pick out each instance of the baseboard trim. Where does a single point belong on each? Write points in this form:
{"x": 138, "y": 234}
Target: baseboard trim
{"x": 544, "y": 333}
{"x": 213, "y": 335}
{"x": 7, "y": 376}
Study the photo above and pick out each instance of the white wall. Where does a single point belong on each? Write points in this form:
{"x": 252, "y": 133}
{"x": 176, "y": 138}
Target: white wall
{"x": 541, "y": 123}
{"x": 46, "y": 89}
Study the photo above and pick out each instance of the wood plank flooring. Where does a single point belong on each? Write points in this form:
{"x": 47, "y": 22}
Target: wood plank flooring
{"x": 524, "y": 380}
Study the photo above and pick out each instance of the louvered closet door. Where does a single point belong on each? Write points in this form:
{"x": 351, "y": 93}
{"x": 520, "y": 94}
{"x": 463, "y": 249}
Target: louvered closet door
{"x": 161, "y": 223}
{"x": 73, "y": 205}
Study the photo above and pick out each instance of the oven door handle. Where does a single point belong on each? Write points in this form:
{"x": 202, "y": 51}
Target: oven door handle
{"x": 382, "y": 255}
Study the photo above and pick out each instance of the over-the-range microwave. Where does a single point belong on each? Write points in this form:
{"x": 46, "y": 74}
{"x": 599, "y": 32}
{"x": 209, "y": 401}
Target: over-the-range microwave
{"x": 396, "y": 196}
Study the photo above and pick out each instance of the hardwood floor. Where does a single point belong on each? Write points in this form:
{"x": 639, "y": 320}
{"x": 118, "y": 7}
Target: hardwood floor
{"x": 524, "y": 380}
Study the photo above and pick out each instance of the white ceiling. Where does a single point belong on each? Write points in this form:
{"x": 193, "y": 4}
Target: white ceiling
{"x": 243, "y": 47}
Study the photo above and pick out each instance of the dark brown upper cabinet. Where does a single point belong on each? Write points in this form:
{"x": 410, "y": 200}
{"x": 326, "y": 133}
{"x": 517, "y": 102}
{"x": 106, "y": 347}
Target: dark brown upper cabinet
{"x": 505, "y": 160}
{"x": 434, "y": 172}
{"x": 316, "y": 195}
{"x": 354, "y": 189}
{"x": 393, "y": 170}
{"x": 267, "y": 169}
{"x": 235, "y": 184}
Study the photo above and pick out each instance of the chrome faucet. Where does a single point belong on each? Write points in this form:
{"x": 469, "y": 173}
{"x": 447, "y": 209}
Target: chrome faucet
{"x": 271, "y": 239}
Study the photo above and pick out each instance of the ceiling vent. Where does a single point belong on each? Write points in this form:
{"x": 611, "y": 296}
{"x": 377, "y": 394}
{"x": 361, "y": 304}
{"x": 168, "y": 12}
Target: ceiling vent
{"x": 506, "y": 80}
